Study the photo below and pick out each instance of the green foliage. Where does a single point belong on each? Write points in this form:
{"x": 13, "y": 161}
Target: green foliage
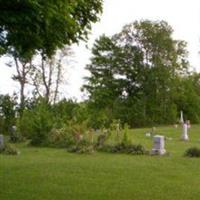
{"x": 47, "y": 24}
{"x": 56, "y": 125}
{"x": 9, "y": 150}
{"x": 75, "y": 137}
{"x": 123, "y": 148}
{"x": 188, "y": 97}
{"x": 99, "y": 118}
{"x": 116, "y": 140}
{"x": 78, "y": 139}
{"x": 193, "y": 152}
{"x": 82, "y": 147}
{"x": 134, "y": 74}
{"x": 64, "y": 111}
{"x": 61, "y": 137}
{"x": 8, "y": 112}
{"x": 37, "y": 123}
{"x": 80, "y": 113}
{"x": 70, "y": 134}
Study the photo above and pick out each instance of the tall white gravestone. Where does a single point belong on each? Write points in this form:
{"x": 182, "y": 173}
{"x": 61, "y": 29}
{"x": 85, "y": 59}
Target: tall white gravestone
{"x": 181, "y": 117}
{"x": 159, "y": 145}
{"x": 1, "y": 141}
{"x": 185, "y": 132}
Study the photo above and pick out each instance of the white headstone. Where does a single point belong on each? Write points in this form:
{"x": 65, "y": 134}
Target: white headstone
{"x": 185, "y": 132}
{"x": 159, "y": 145}
{"x": 1, "y": 141}
{"x": 148, "y": 134}
{"x": 181, "y": 118}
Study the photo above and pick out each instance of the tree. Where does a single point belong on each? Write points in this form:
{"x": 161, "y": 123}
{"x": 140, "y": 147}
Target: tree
{"x": 8, "y": 111}
{"x": 137, "y": 68}
{"x": 23, "y": 68}
{"x": 188, "y": 96}
{"x": 164, "y": 59}
{"x": 42, "y": 25}
{"x": 101, "y": 84}
{"x": 31, "y": 26}
{"x": 47, "y": 75}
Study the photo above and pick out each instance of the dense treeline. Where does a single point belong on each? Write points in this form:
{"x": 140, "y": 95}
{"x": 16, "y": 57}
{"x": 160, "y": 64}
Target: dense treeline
{"x": 141, "y": 76}
{"x": 138, "y": 77}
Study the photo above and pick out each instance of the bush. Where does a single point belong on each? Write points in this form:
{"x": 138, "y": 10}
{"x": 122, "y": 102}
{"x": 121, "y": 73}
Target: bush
{"x": 37, "y": 123}
{"x": 83, "y": 146}
{"x": 63, "y": 137}
{"x": 75, "y": 137}
{"x": 81, "y": 149}
{"x": 193, "y": 152}
{"x": 122, "y": 142}
{"x": 70, "y": 136}
{"x": 9, "y": 150}
{"x": 123, "y": 148}
{"x": 136, "y": 149}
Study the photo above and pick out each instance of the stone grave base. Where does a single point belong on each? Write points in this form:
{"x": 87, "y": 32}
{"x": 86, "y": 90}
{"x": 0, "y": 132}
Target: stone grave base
{"x": 158, "y": 152}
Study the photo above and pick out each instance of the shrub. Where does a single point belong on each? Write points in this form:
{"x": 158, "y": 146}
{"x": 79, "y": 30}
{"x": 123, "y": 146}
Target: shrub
{"x": 193, "y": 152}
{"x": 81, "y": 149}
{"x": 136, "y": 149}
{"x": 37, "y": 123}
{"x": 105, "y": 148}
{"x": 9, "y": 149}
{"x": 63, "y": 137}
{"x": 71, "y": 135}
{"x": 123, "y": 148}
{"x": 82, "y": 146}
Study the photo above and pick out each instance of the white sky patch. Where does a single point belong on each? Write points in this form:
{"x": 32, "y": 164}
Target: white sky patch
{"x": 182, "y": 15}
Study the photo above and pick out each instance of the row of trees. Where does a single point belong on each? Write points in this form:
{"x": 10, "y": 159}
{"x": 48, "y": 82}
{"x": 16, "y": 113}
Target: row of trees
{"x": 141, "y": 76}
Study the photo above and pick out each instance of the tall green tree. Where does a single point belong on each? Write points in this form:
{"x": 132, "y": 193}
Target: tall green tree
{"x": 28, "y": 27}
{"x": 163, "y": 59}
{"x": 144, "y": 62}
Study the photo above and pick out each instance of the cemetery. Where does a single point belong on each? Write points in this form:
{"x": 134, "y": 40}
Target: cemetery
{"x": 99, "y": 100}
{"x": 49, "y": 173}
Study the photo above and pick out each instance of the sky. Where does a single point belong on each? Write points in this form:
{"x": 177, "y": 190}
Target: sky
{"x": 182, "y": 15}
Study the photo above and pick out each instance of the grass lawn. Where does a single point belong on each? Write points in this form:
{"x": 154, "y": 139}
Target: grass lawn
{"x": 54, "y": 174}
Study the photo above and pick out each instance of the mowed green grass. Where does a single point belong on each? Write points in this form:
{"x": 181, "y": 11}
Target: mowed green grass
{"x": 54, "y": 174}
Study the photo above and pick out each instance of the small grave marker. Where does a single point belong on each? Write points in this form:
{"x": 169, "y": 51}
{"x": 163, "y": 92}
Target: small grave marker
{"x": 159, "y": 145}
